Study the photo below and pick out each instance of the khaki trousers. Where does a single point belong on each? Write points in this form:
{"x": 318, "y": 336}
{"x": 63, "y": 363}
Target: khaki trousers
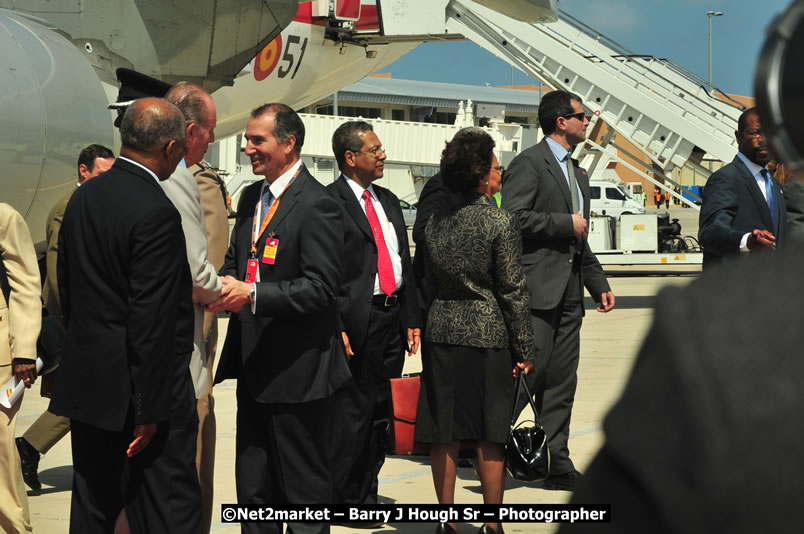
{"x": 205, "y": 455}
{"x": 46, "y": 431}
{"x": 14, "y": 516}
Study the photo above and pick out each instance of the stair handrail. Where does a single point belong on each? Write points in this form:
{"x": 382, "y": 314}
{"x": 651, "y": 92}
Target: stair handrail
{"x": 623, "y": 51}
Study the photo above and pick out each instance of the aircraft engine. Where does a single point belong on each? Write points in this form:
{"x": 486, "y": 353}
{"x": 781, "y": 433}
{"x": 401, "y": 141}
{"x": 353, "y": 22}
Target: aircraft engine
{"x": 52, "y": 105}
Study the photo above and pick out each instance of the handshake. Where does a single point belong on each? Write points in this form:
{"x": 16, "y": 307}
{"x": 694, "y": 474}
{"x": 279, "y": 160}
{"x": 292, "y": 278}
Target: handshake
{"x": 234, "y": 295}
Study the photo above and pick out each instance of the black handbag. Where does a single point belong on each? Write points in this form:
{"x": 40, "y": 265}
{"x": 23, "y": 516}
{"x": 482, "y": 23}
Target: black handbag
{"x": 527, "y": 457}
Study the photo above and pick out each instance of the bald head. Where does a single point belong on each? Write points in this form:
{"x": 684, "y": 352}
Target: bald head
{"x": 151, "y": 123}
{"x": 152, "y": 133}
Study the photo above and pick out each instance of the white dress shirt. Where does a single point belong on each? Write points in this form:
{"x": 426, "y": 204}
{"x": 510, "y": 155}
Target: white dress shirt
{"x": 562, "y": 154}
{"x": 388, "y": 233}
{"x": 141, "y": 166}
{"x": 755, "y": 171}
{"x": 277, "y": 187}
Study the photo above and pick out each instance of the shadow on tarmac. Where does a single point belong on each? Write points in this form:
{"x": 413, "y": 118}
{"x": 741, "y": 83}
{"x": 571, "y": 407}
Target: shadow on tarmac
{"x": 54, "y": 480}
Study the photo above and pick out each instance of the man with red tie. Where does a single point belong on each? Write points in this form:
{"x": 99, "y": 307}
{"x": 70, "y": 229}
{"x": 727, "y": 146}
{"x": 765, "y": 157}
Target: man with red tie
{"x": 378, "y": 306}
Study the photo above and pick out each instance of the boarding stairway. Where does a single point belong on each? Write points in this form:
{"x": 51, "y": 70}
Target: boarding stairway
{"x": 661, "y": 108}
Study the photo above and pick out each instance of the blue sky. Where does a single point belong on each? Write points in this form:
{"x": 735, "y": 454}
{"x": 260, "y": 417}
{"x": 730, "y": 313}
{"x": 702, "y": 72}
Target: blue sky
{"x": 673, "y": 29}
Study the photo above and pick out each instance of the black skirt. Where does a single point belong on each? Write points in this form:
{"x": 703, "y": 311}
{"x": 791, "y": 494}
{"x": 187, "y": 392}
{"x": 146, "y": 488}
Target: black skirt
{"x": 467, "y": 393}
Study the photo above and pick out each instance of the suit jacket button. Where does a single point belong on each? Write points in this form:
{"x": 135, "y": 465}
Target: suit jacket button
{"x": 569, "y": 260}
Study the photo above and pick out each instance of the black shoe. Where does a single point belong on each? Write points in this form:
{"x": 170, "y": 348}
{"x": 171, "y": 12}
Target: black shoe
{"x": 563, "y": 482}
{"x": 485, "y": 529}
{"x": 29, "y": 458}
{"x": 444, "y": 528}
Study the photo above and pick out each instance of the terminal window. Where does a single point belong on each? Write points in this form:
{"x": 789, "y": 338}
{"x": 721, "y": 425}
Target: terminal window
{"x": 441, "y": 117}
{"x": 350, "y": 111}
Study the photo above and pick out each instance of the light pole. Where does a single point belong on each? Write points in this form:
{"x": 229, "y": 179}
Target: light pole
{"x": 711, "y": 14}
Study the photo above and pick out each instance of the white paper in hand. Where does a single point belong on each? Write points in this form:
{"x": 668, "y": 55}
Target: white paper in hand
{"x": 13, "y": 390}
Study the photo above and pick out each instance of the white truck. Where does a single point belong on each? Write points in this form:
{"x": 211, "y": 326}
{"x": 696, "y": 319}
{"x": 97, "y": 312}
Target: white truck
{"x": 611, "y": 198}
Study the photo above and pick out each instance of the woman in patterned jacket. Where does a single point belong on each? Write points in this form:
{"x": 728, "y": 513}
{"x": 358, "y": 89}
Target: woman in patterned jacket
{"x": 478, "y": 329}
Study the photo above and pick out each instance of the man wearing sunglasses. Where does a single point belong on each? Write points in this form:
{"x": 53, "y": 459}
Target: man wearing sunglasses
{"x": 549, "y": 194}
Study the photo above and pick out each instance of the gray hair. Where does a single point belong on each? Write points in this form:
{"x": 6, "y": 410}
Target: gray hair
{"x": 151, "y": 123}
{"x": 191, "y": 101}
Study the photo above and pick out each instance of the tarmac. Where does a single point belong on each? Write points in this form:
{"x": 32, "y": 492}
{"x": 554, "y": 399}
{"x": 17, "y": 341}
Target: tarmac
{"x": 609, "y": 345}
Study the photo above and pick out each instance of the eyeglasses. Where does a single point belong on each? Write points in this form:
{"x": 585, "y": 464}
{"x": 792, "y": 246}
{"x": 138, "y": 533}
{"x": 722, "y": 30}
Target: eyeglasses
{"x": 500, "y": 169}
{"x": 376, "y": 153}
{"x": 580, "y": 116}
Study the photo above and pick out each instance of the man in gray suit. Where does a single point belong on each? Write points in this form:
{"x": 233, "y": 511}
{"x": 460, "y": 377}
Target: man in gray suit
{"x": 549, "y": 194}
{"x": 182, "y": 189}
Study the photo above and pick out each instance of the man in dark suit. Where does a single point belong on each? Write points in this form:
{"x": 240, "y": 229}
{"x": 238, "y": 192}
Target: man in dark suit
{"x": 549, "y": 194}
{"x": 693, "y": 443}
{"x": 378, "y": 306}
{"x": 434, "y": 198}
{"x": 281, "y": 277}
{"x": 48, "y": 429}
{"x": 742, "y": 208}
{"x": 126, "y": 296}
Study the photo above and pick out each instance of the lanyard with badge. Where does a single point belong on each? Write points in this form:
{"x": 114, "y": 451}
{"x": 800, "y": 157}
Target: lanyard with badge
{"x": 271, "y": 242}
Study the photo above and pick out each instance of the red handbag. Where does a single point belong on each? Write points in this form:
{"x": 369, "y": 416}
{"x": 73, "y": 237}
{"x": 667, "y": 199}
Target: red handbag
{"x": 404, "y": 403}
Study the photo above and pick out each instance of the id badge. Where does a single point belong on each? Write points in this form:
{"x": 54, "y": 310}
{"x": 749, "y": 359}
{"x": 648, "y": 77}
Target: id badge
{"x": 251, "y": 271}
{"x": 269, "y": 254}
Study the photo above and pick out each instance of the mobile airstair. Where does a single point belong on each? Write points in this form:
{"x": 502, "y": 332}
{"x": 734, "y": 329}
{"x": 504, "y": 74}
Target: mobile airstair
{"x": 669, "y": 114}
{"x": 660, "y": 107}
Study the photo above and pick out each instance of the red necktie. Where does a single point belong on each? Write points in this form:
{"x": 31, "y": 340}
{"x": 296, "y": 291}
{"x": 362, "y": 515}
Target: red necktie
{"x": 384, "y": 267}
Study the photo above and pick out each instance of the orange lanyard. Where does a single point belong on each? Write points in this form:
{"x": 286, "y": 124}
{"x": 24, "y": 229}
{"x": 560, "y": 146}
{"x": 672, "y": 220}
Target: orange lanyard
{"x": 268, "y": 216}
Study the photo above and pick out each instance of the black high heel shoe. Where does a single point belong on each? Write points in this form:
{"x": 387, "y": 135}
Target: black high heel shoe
{"x": 444, "y": 528}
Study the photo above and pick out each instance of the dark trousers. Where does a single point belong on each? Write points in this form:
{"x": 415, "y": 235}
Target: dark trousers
{"x": 558, "y": 342}
{"x": 282, "y": 458}
{"x": 158, "y": 487}
{"x": 360, "y": 439}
